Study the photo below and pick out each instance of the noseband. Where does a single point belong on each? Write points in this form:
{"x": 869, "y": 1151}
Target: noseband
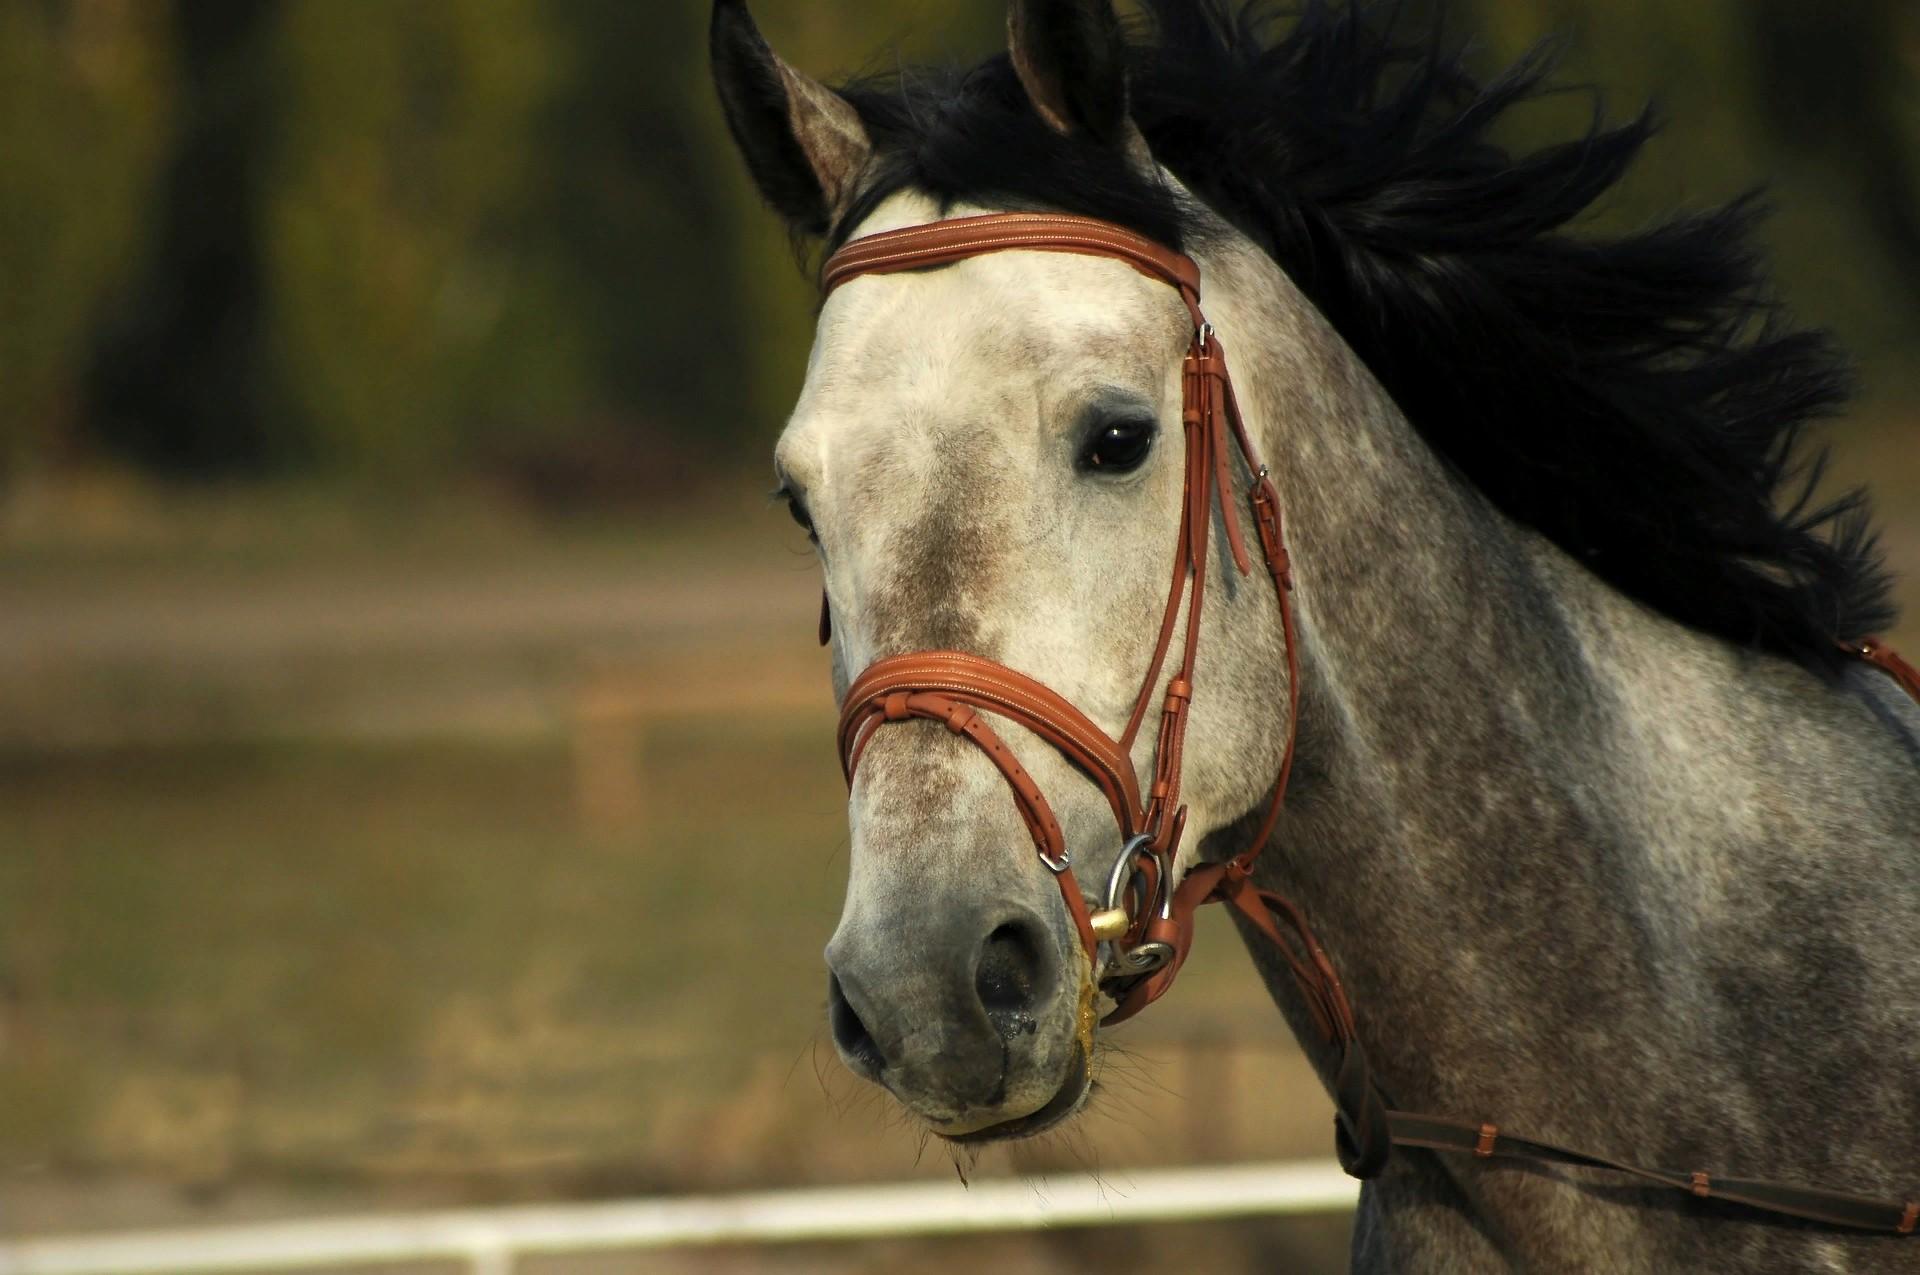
{"x": 1146, "y": 924}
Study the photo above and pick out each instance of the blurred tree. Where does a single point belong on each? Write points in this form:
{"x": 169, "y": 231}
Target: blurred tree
{"x": 84, "y": 97}
{"x": 638, "y": 219}
{"x": 413, "y": 301}
{"x": 397, "y": 237}
{"x": 1836, "y": 85}
{"x": 1684, "y": 60}
{"x": 179, "y": 382}
{"x": 1736, "y": 117}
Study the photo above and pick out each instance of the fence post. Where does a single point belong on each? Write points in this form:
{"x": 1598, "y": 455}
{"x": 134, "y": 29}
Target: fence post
{"x": 608, "y": 756}
{"x": 488, "y": 1253}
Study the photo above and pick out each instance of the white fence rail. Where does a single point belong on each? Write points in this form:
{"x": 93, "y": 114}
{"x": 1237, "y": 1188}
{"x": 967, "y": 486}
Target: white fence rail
{"x": 490, "y": 1240}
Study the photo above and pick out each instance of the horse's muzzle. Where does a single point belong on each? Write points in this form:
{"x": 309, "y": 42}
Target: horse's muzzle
{"x": 972, "y": 1023}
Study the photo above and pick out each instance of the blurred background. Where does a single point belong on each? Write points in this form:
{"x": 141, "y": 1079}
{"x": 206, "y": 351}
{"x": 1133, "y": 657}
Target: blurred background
{"x": 386, "y": 397}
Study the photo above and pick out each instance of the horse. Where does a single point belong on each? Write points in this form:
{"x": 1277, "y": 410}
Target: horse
{"x": 1585, "y": 822}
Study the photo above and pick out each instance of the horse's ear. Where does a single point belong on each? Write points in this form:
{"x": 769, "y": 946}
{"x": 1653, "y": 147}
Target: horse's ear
{"x": 803, "y": 143}
{"x": 1072, "y": 57}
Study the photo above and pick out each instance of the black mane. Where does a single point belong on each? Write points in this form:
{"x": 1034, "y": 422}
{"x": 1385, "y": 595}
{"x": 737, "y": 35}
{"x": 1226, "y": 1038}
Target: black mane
{"x": 1638, "y": 399}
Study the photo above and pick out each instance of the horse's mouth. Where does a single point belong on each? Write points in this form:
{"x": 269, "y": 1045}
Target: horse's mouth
{"x": 1072, "y": 1093}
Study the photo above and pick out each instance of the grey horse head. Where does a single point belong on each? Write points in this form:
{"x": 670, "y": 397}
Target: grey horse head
{"x": 988, "y": 458}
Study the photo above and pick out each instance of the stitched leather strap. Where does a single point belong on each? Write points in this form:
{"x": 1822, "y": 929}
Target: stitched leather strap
{"x": 1885, "y": 658}
{"x": 942, "y": 243}
{"x": 950, "y": 687}
{"x": 1812, "y": 1204}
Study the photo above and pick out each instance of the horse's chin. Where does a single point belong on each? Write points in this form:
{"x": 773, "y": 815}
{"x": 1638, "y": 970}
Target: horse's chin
{"x": 1068, "y": 1099}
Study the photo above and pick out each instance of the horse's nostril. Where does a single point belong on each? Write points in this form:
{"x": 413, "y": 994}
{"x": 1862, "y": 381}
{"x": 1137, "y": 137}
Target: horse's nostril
{"x": 1009, "y": 979}
{"x": 850, "y": 1034}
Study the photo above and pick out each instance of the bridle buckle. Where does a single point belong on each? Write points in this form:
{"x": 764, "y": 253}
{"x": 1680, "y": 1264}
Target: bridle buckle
{"x": 1141, "y": 958}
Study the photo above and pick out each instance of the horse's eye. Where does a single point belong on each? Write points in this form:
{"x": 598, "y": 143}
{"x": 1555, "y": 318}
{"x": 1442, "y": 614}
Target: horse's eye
{"x": 798, "y": 511}
{"x": 1119, "y": 445}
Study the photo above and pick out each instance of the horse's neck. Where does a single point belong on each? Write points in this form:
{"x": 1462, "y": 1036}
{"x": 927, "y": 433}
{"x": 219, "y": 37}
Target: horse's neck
{"x": 1583, "y": 871}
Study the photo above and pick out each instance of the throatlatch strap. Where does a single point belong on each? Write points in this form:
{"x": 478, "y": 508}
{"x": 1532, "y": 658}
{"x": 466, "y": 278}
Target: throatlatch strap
{"x": 1886, "y": 659}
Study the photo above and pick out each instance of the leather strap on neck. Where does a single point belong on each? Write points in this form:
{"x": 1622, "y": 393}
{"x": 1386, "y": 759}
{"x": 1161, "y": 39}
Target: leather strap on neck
{"x": 1886, "y": 659}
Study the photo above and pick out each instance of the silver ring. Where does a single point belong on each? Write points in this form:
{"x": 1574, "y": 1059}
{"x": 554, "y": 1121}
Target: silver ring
{"x": 1127, "y": 852}
{"x": 1146, "y": 958}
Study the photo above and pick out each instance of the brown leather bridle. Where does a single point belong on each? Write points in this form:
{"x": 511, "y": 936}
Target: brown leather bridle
{"x": 1146, "y": 924}
{"x": 1148, "y": 941}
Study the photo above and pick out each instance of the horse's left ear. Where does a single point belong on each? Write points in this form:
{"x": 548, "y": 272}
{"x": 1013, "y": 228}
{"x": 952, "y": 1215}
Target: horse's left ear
{"x": 1071, "y": 56}
{"x": 803, "y": 143}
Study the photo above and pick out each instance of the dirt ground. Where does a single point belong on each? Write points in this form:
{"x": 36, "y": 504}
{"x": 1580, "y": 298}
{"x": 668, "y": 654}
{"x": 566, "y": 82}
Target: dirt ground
{"x": 350, "y": 864}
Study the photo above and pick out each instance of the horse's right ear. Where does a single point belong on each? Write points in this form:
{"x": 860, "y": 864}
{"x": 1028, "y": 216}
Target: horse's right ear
{"x": 1071, "y": 57}
{"x": 803, "y": 143}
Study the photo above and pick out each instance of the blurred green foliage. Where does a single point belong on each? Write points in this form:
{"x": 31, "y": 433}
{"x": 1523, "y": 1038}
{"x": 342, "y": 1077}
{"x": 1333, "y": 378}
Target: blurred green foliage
{"x": 83, "y": 119}
{"x": 412, "y": 297}
{"x": 401, "y": 240}
{"x": 1818, "y": 104}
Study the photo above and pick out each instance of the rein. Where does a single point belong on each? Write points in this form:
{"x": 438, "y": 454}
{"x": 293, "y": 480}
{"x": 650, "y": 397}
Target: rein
{"x": 1138, "y": 940}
